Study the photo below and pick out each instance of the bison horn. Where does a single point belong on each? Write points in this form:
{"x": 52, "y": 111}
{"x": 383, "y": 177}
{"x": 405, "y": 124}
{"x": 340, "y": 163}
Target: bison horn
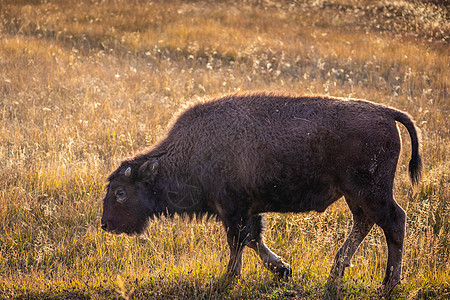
{"x": 128, "y": 172}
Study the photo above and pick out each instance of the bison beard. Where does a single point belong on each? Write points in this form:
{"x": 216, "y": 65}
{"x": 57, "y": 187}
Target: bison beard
{"x": 242, "y": 155}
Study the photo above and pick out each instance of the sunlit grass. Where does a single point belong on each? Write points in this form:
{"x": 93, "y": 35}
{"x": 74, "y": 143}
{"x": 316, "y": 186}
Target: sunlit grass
{"x": 84, "y": 84}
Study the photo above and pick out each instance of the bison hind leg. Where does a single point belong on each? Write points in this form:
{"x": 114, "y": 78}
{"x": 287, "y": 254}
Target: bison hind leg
{"x": 375, "y": 205}
{"x": 361, "y": 227}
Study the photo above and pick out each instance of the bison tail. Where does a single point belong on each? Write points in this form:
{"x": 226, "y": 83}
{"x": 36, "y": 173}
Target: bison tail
{"x": 415, "y": 164}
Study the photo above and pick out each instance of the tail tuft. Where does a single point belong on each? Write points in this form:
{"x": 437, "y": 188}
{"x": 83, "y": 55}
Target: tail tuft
{"x": 415, "y": 169}
{"x": 415, "y": 164}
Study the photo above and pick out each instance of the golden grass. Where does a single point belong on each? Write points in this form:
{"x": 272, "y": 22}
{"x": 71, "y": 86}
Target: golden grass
{"x": 84, "y": 84}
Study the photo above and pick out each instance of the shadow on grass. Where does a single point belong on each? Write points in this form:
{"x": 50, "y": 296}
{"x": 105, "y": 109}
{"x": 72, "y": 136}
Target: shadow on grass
{"x": 63, "y": 294}
{"x": 213, "y": 287}
{"x": 223, "y": 287}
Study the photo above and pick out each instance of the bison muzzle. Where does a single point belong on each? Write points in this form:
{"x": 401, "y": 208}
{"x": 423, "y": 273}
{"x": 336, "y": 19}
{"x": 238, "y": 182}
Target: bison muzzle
{"x": 243, "y": 155}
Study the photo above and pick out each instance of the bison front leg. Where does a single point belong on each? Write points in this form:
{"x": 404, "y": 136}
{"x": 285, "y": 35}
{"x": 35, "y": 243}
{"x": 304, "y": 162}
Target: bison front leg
{"x": 236, "y": 245}
{"x": 250, "y": 235}
{"x": 239, "y": 234}
{"x": 271, "y": 261}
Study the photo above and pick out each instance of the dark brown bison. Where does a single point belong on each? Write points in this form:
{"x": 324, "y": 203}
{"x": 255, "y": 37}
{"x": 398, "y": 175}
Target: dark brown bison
{"x": 243, "y": 155}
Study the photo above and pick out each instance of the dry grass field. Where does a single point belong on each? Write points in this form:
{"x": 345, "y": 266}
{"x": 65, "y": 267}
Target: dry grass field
{"x": 84, "y": 84}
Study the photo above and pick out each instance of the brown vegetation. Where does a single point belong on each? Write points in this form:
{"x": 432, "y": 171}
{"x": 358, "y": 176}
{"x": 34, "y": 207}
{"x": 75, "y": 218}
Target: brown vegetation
{"x": 84, "y": 84}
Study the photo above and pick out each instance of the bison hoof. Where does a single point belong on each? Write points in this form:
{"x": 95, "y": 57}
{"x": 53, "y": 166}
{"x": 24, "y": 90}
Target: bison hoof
{"x": 283, "y": 271}
{"x": 388, "y": 285}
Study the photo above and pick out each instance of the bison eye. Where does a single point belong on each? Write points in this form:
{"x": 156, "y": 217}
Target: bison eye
{"x": 121, "y": 195}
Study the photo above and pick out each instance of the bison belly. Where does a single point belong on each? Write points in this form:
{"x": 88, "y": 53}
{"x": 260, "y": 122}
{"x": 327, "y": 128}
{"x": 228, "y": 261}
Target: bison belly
{"x": 297, "y": 195}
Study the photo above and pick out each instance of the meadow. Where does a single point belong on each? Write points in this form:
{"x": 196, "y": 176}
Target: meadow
{"x": 85, "y": 84}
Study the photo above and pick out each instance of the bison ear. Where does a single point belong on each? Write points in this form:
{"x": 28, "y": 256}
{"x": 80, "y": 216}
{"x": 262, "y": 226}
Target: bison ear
{"x": 148, "y": 170}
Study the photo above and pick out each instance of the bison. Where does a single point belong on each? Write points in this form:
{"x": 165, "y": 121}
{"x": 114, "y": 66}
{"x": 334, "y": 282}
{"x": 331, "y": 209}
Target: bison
{"x": 242, "y": 155}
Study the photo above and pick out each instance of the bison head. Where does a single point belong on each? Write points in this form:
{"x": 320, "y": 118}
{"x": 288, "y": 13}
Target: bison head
{"x": 131, "y": 198}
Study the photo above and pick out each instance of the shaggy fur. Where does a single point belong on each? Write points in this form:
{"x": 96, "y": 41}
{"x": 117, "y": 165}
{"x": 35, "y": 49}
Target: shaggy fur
{"x": 242, "y": 155}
